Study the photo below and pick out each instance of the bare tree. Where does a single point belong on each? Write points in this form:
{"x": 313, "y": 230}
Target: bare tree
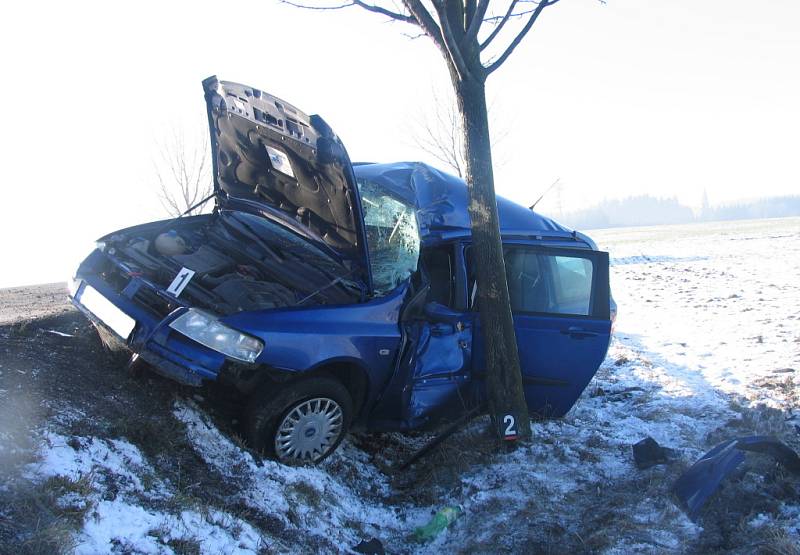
{"x": 475, "y": 38}
{"x": 183, "y": 173}
{"x": 437, "y": 131}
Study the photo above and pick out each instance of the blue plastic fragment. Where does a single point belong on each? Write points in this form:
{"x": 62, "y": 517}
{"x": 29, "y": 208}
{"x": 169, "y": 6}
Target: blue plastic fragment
{"x": 700, "y": 482}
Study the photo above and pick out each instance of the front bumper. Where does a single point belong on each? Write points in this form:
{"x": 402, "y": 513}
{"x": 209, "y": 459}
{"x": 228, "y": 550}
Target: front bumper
{"x": 170, "y": 353}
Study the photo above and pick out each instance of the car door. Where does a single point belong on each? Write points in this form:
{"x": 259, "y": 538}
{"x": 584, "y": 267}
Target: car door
{"x": 560, "y": 304}
{"x": 432, "y": 382}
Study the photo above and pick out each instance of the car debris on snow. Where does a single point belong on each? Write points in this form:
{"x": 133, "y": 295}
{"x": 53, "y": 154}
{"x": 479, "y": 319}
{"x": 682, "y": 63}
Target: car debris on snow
{"x": 648, "y": 452}
{"x": 699, "y": 483}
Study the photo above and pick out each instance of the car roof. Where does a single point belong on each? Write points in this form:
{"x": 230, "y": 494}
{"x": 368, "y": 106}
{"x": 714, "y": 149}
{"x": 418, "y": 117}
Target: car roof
{"x": 441, "y": 201}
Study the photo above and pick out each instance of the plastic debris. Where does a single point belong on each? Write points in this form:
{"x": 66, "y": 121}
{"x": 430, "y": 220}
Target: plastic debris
{"x": 700, "y": 482}
{"x": 649, "y": 453}
{"x": 443, "y": 518}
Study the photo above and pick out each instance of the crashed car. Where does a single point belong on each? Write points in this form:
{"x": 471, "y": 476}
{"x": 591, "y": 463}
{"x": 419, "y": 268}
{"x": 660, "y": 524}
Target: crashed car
{"x": 329, "y": 295}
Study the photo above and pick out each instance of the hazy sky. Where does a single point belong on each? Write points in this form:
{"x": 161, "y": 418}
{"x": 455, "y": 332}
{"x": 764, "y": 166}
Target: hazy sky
{"x": 635, "y": 96}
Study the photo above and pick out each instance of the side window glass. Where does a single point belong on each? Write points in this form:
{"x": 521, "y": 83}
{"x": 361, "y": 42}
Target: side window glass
{"x": 572, "y": 285}
{"x": 543, "y": 283}
{"x": 527, "y": 280}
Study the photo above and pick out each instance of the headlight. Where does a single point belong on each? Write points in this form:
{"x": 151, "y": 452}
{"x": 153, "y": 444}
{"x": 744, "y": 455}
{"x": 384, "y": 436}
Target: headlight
{"x": 207, "y": 330}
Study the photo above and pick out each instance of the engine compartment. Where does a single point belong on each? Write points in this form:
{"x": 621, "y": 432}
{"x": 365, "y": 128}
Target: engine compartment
{"x": 241, "y": 261}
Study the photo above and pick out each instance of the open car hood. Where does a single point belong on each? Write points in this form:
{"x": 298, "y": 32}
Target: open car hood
{"x": 290, "y": 165}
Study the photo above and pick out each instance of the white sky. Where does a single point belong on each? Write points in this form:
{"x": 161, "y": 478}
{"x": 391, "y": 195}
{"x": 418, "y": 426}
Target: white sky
{"x": 632, "y": 97}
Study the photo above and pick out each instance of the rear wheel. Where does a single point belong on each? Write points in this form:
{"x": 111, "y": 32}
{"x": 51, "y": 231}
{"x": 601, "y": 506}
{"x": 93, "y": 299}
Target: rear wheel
{"x": 301, "y": 421}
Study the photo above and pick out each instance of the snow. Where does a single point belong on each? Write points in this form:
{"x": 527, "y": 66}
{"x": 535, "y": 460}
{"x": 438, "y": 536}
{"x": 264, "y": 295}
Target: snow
{"x": 707, "y": 331}
{"x": 94, "y": 457}
{"x": 122, "y": 523}
{"x": 132, "y": 528}
{"x": 269, "y": 484}
{"x": 718, "y": 309}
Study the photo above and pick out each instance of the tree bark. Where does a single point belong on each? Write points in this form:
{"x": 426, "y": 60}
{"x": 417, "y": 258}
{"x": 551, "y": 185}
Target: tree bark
{"x": 503, "y": 374}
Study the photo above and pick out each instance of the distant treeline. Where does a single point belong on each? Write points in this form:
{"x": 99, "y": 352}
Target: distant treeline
{"x": 646, "y": 210}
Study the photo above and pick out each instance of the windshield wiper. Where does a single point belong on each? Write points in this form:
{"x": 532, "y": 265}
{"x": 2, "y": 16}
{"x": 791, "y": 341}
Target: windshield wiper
{"x": 340, "y": 279}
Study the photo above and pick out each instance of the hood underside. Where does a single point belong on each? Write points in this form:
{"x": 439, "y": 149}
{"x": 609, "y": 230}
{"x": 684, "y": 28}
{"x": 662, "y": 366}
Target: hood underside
{"x": 292, "y": 165}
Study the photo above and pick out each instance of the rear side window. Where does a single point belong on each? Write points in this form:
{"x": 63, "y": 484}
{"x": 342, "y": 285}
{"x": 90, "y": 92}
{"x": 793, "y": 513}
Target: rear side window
{"x": 572, "y": 284}
{"x": 545, "y": 283}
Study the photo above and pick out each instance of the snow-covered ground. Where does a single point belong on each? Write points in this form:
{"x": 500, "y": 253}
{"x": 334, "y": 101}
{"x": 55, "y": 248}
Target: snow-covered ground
{"x": 707, "y": 348}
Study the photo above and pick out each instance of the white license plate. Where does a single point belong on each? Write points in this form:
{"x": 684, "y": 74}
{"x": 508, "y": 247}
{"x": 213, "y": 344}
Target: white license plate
{"x": 106, "y": 312}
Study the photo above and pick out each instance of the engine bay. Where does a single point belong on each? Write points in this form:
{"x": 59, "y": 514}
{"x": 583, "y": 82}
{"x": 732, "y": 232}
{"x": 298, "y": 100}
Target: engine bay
{"x": 240, "y": 261}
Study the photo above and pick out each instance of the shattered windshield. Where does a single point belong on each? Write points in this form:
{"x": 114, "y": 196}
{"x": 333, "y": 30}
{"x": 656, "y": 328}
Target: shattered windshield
{"x": 392, "y": 236}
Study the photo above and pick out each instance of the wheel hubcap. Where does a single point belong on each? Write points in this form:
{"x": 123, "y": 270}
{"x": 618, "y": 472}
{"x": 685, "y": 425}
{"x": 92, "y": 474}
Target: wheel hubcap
{"x": 309, "y": 430}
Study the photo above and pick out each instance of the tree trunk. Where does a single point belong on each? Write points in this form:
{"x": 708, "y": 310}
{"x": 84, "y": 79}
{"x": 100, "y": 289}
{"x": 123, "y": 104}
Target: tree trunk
{"x": 504, "y": 378}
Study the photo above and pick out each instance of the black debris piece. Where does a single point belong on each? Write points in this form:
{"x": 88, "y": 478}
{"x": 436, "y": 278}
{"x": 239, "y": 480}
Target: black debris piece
{"x": 371, "y": 547}
{"x": 649, "y": 453}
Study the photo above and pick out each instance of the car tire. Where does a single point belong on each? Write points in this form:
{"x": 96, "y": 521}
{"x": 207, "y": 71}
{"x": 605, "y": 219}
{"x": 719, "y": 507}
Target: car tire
{"x": 302, "y": 421}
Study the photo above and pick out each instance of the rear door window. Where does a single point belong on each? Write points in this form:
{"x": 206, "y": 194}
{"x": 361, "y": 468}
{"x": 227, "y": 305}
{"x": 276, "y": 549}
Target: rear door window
{"x": 542, "y": 282}
{"x": 572, "y": 285}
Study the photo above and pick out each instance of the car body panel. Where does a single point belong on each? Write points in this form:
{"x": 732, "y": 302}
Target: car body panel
{"x": 300, "y": 340}
{"x": 556, "y": 365}
{"x": 441, "y": 201}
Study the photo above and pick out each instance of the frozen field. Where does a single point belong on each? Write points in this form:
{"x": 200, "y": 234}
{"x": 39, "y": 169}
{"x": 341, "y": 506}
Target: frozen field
{"x": 707, "y": 348}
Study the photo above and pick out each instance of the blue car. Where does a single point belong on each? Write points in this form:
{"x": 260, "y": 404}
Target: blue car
{"x": 330, "y": 295}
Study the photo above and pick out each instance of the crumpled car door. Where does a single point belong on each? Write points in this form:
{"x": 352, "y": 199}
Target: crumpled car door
{"x": 438, "y": 377}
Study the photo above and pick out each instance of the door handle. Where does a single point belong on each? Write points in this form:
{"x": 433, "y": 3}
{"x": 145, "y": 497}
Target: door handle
{"x": 579, "y": 333}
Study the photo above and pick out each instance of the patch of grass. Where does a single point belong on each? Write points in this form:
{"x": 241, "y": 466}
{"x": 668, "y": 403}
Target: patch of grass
{"x": 239, "y": 441}
{"x": 306, "y": 494}
{"x": 183, "y": 500}
{"x": 778, "y": 542}
{"x": 184, "y": 546}
{"x": 441, "y": 469}
{"x": 48, "y": 537}
{"x": 180, "y": 546}
{"x": 70, "y": 496}
{"x": 149, "y": 480}
{"x": 43, "y": 518}
{"x": 154, "y": 435}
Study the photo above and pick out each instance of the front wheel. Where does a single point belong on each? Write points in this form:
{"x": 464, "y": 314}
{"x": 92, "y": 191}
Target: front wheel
{"x": 302, "y": 421}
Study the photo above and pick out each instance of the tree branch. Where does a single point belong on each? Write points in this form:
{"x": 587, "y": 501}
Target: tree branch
{"x": 394, "y": 15}
{"x": 369, "y": 7}
{"x": 500, "y": 25}
{"x": 475, "y": 23}
{"x": 531, "y": 20}
{"x": 451, "y": 42}
{"x": 428, "y": 24}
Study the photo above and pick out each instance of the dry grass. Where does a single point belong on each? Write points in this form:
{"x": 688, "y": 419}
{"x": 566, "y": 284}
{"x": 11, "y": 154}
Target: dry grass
{"x": 42, "y": 518}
